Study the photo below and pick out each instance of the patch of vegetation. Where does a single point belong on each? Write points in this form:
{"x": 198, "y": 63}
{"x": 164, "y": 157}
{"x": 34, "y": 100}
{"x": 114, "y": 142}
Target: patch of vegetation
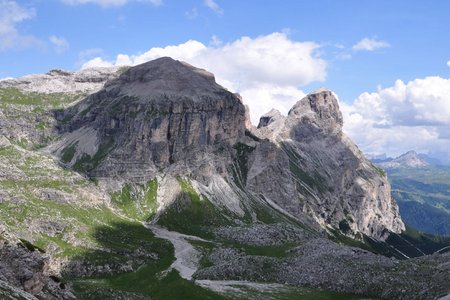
{"x": 21, "y": 142}
{"x": 411, "y": 243}
{"x": 123, "y": 69}
{"x": 31, "y": 247}
{"x": 428, "y": 218}
{"x": 18, "y": 97}
{"x": 137, "y": 201}
{"x": 415, "y": 243}
{"x": 344, "y": 226}
{"x": 338, "y": 237}
{"x": 87, "y": 163}
{"x": 423, "y": 195}
{"x": 205, "y": 248}
{"x": 192, "y": 214}
{"x": 10, "y": 153}
{"x": 149, "y": 280}
{"x": 379, "y": 170}
{"x": 41, "y": 126}
{"x": 240, "y": 166}
{"x": 68, "y": 153}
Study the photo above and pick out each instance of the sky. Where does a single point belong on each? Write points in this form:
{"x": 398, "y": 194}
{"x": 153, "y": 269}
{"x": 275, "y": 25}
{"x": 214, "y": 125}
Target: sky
{"x": 387, "y": 61}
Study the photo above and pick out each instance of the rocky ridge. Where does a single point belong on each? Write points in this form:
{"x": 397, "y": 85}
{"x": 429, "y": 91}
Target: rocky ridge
{"x": 168, "y": 115}
{"x": 61, "y": 81}
{"x": 331, "y": 179}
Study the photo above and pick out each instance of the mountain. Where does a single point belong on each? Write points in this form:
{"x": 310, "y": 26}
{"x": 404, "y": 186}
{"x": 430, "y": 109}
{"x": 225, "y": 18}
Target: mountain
{"x": 149, "y": 182}
{"x": 420, "y": 185}
{"x": 169, "y": 115}
{"x": 409, "y": 159}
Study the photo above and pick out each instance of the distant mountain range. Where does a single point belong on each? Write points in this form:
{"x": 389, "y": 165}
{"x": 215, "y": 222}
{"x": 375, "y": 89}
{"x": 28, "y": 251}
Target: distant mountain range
{"x": 408, "y": 159}
{"x": 421, "y": 187}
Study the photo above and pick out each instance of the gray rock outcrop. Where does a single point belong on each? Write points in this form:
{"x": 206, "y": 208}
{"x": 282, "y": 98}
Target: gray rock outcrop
{"x": 24, "y": 267}
{"x": 59, "y": 81}
{"x": 154, "y": 115}
{"x": 330, "y": 180}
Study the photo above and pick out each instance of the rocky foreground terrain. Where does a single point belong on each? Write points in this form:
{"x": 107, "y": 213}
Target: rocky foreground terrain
{"x": 149, "y": 183}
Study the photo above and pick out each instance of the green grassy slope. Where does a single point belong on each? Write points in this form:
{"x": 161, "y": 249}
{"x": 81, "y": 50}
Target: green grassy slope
{"x": 423, "y": 195}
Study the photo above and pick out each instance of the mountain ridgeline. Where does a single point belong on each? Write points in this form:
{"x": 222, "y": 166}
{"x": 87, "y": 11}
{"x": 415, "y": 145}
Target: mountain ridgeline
{"x": 168, "y": 117}
{"x": 150, "y": 182}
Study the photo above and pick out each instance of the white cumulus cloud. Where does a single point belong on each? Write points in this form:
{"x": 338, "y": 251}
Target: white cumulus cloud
{"x": 213, "y": 6}
{"x": 11, "y": 14}
{"x": 107, "y": 3}
{"x": 448, "y": 63}
{"x": 406, "y": 116}
{"x": 61, "y": 44}
{"x": 267, "y": 70}
{"x": 97, "y": 63}
{"x": 369, "y": 44}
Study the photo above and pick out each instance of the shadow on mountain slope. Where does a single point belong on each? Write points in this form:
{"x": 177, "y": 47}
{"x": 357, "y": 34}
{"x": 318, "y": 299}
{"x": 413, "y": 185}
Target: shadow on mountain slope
{"x": 130, "y": 263}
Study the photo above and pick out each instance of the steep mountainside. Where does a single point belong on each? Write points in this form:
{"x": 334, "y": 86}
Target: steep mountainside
{"x": 154, "y": 115}
{"x": 331, "y": 179}
{"x": 155, "y": 186}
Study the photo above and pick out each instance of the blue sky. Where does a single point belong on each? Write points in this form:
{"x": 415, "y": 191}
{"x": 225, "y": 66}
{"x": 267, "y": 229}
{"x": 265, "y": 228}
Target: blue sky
{"x": 351, "y": 47}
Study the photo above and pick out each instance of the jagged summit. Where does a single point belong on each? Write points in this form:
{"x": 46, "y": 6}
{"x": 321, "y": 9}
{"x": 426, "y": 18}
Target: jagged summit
{"x": 317, "y": 112}
{"x": 342, "y": 177}
{"x": 321, "y": 89}
{"x": 166, "y": 76}
{"x": 270, "y": 117}
{"x": 322, "y": 103}
{"x": 410, "y": 159}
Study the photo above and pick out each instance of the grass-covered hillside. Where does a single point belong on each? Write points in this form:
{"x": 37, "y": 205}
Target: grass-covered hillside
{"x": 423, "y": 195}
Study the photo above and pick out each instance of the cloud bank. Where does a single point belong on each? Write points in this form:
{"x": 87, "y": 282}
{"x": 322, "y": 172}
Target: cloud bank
{"x": 267, "y": 70}
{"x": 413, "y": 115}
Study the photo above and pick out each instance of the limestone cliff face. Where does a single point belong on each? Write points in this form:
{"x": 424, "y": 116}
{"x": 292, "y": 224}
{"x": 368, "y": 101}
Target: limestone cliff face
{"x": 155, "y": 115}
{"x": 331, "y": 180}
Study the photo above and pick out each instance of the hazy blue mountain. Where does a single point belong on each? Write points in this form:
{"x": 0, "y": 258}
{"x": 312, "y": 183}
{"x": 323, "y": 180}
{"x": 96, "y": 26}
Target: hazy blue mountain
{"x": 421, "y": 187}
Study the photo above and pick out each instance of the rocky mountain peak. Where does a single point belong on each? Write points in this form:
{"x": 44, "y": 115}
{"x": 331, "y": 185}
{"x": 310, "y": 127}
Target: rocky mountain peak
{"x": 153, "y": 115}
{"x": 269, "y": 117}
{"x": 166, "y": 76}
{"x": 320, "y": 108}
{"x": 344, "y": 188}
{"x": 410, "y": 159}
{"x": 409, "y": 155}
